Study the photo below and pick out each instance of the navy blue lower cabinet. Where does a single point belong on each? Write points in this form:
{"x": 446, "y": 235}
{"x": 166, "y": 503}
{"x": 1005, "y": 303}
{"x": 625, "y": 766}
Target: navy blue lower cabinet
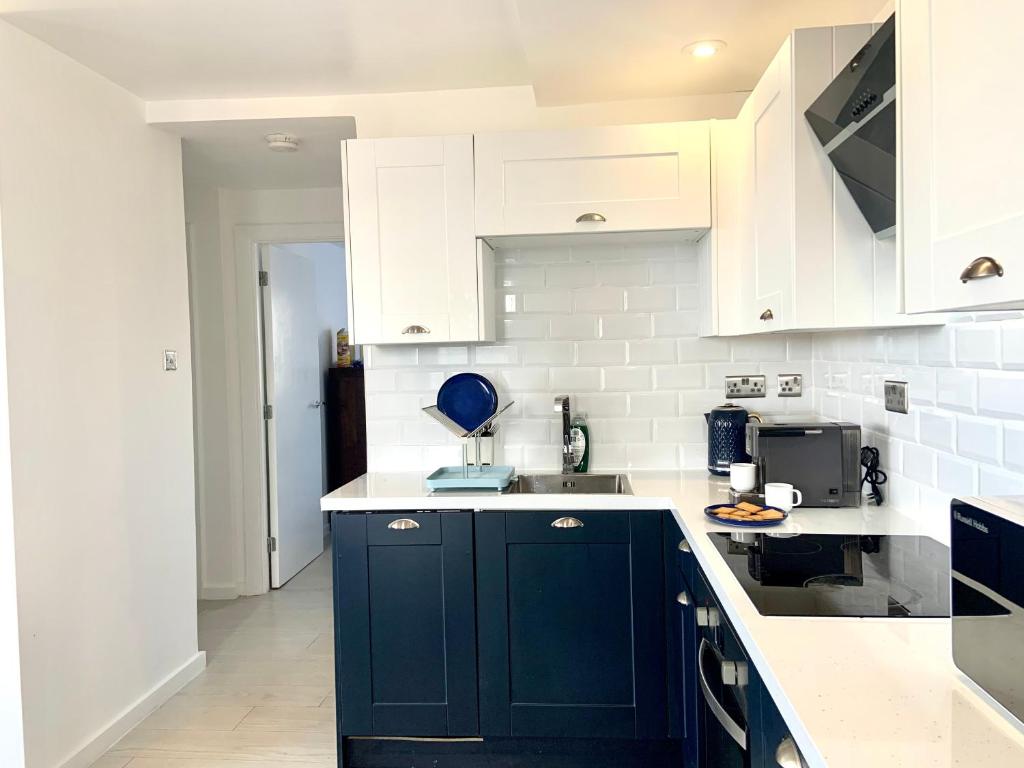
{"x": 571, "y": 621}
{"x": 681, "y": 626}
{"x": 774, "y": 745}
{"x": 405, "y": 630}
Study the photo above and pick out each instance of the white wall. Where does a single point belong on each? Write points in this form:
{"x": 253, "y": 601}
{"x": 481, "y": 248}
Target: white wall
{"x": 964, "y": 434}
{"x": 12, "y": 734}
{"x": 218, "y": 300}
{"x": 613, "y": 326}
{"x": 95, "y": 288}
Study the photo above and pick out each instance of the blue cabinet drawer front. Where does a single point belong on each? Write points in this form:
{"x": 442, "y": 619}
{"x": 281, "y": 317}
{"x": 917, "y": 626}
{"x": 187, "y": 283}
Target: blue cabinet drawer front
{"x": 395, "y": 529}
{"x": 540, "y": 528}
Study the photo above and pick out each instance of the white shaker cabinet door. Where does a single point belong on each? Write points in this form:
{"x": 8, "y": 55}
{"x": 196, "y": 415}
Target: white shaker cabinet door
{"x": 770, "y": 108}
{"x": 962, "y": 174}
{"x": 630, "y": 178}
{"x": 413, "y": 252}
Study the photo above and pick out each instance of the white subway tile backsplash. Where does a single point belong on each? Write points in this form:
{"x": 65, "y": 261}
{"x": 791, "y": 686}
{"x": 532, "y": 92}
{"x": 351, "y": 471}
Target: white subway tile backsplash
{"x": 1013, "y": 446}
{"x": 443, "y": 355}
{"x": 578, "y": 327}
{"x": 977, "y": 345}
{"x": 653, "y": 298}
{"x": 625, "y": 326}
{"x": 676, "y": 324}
{"x": 547, "y": 301}
{"x": 645, "y": 405}
{"x": 576, "y": 379}
{"x": 957, "y": 389}
{"x": 1000, "y": 394}
{"x": 956, "y": 476}
{"x": 919, "y": 464}
{"x": 599, "y": 300}
{"x": 690, "y": 376}
{"x": 615, "y": 328}
{"x": 623, "y": 274}
{"x": 602, "y": 352}
{"x": 704, "y": 350}
{"x": 513, "y": 276}
{"x": 570, "y": 276}
{"x": 979, "y": 439}
{"x": 496, "y": 355}
{"x": 652, "y": 352}
{"x": 937, "y": 429}
{"x": 629, "y": 379}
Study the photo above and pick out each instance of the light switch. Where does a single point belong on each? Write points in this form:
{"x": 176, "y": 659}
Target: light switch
{"x": 170, "y": 359}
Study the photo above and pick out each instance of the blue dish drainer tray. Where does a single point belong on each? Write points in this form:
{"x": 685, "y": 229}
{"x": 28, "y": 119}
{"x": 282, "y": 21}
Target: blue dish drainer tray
{"x": 484, "y": 478}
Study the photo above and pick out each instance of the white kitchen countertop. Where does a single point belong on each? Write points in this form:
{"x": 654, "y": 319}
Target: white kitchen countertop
{"x": 854, "y": 692}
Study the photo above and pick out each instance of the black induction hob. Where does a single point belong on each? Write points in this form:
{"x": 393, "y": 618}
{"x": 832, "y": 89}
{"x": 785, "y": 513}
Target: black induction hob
{"x": 814, "y": 574}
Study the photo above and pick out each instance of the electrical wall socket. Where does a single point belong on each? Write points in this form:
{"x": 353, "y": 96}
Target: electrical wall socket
{"x": 745, "y": 386}
{"x": 791, "y": 385}
{"x": 897, "y": 399}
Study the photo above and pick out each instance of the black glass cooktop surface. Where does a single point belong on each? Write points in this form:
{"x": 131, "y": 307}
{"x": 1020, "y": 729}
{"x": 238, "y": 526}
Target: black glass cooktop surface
{"x": 813, "y": 574}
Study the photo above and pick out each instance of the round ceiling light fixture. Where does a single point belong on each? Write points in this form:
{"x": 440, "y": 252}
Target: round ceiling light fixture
{"x": 704, "y": 49}
{"x": 282, "y": 142}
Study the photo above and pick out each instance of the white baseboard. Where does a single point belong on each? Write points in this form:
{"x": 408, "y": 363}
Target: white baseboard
{"x": 229, "y": 592}
{"x": 107, "y": 737}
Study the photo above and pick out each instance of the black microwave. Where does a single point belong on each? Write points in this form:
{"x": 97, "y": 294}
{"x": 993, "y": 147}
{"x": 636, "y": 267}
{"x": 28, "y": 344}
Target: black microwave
{"x": 987, "y": 558}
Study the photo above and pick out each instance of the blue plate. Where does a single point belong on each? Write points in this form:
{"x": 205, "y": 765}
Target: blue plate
{"x": 468, "y": 399}
{"x": 710, "y": 512}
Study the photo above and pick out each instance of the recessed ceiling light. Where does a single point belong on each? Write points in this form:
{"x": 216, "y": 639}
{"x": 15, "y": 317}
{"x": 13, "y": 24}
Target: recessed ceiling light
{"x": 282, "y": 142}
{"x": 703, "y": 49}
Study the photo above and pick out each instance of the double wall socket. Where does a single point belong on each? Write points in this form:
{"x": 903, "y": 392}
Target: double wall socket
{"x": 791, "y": 385}
{"x": 745, "y": 386}
{"x": 897, "y": 399}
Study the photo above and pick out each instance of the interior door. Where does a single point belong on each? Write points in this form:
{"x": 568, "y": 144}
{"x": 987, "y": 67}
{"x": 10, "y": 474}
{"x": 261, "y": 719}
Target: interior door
{"x": 292, "y": 369}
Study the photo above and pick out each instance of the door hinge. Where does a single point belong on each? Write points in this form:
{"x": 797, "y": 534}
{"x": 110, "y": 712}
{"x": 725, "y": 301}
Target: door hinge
{"x": 268, "y": 412}
{"x": 271, "y": 544}
{"x": 264, "y": 278}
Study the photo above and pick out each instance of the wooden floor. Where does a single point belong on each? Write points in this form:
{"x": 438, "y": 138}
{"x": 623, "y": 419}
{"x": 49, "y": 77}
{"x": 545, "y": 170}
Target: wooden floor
{"x": 266, "y": 698}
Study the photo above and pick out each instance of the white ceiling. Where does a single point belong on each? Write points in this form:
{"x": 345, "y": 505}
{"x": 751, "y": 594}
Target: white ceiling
{"x": 571, "y": 51}
{"x": 234, "y": 154}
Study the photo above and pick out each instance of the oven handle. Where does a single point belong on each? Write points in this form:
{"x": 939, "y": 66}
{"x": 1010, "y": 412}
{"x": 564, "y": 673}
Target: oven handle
{"x": 738, "y": 734}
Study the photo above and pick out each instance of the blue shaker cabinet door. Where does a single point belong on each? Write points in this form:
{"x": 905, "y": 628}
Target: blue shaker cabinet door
{"x": 571, "y": 622}
{"x": 404, "y": 624}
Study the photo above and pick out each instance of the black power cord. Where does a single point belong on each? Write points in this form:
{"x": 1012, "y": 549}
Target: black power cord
{"x": 872, "y": 474}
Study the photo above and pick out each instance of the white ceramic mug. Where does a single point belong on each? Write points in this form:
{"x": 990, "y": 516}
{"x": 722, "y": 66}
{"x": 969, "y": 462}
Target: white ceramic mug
{"x": 743, "y": 477}
{"x": 782, "y": 496}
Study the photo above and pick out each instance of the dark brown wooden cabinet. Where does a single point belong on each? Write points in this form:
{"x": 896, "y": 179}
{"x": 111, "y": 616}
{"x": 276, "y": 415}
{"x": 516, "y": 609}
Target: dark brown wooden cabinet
{"x": 345, "y": 395}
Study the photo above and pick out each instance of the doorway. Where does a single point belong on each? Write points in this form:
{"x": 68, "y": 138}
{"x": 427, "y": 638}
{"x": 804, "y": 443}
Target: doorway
{"x": 302, "y": 306}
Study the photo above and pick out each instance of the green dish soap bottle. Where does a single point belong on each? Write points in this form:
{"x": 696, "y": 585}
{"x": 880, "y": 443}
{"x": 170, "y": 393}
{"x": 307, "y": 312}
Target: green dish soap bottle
{"x": 579, "y": 443}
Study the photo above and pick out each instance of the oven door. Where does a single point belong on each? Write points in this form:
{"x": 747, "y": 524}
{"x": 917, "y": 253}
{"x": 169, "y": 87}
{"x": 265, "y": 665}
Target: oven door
{"x": 723, "y": 677}
{"x": 987, "y": 539}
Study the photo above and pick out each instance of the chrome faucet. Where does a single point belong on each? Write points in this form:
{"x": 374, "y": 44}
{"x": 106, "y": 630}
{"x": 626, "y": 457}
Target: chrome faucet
{"x": 562, "y": 406}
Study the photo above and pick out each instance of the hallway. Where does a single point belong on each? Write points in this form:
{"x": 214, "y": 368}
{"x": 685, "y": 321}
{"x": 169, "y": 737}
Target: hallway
{"x": 266, "y": 698}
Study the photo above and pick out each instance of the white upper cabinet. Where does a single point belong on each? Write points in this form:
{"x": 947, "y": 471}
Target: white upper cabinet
{"x": 962, "y": 166}
{"x": 631, "y": 178}
{"x": 798, "y": 251}
{"x": 417, "y": 272}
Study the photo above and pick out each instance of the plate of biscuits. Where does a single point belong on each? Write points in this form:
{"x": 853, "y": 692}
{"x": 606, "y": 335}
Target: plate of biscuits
{"x": 745, "y": 515}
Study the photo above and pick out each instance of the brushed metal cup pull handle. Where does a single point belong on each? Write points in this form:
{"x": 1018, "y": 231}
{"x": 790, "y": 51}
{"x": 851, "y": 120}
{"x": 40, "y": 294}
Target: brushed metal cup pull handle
{"x": 415, "y": 329}
{"x": 683, "y": 598}
{"x": 684, "y": 546}
{"x": 590, "y": 217}
{"x": 567, "y": 522}
{"x": 980, "y": 268}
{"x": 767, "y": 315}
{"x": 787, "y": 755}
{"x": 403, "y": 524}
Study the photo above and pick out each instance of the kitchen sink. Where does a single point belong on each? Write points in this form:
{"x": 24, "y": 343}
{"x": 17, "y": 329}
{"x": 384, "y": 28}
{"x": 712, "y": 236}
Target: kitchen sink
{"x": 581, "y": 483}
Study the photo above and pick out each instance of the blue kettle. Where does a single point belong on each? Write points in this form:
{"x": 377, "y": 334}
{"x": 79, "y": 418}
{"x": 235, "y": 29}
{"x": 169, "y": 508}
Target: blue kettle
{"x": 727, "y": 437}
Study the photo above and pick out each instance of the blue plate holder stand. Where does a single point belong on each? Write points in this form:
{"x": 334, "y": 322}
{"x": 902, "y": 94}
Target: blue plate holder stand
{"x": 467, "y": 435}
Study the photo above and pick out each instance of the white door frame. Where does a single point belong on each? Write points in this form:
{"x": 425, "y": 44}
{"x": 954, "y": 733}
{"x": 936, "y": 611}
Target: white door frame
{"x": 248, "y": 461}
